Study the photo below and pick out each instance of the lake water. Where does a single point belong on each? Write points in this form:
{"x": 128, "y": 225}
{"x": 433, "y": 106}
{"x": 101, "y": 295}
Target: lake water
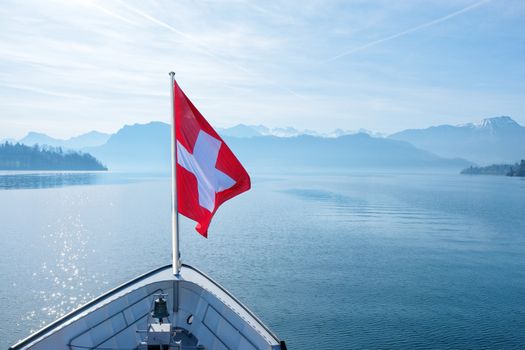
{"x": 327, "y": 259}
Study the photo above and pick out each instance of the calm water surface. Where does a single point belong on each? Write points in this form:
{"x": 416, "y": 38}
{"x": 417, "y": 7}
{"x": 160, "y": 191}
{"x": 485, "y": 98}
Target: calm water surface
{"x": 340, "y": 260}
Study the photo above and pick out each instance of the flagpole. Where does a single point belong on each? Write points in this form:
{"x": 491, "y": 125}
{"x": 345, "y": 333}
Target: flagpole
{"x": 174, "y": 200}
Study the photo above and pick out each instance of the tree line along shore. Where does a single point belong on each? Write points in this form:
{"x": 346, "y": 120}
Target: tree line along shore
{"x": 21, "y": 157}
{"x": 517, "y": 169}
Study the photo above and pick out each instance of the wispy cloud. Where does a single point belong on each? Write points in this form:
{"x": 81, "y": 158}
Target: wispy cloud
{"x": 69, "y": 66}
{"x": 408, "y": 31}
{"x": 196, "y": 43}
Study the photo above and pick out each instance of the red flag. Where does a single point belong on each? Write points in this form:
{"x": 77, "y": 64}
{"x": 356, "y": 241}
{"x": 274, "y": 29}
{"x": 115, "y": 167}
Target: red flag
{"x": 208, "y": 173}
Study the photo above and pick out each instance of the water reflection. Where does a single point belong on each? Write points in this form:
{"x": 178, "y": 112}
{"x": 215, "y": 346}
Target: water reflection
{"x": 10, "y": 180}
{"x": 14, "y": 181}
{"x": 63, "y": 278}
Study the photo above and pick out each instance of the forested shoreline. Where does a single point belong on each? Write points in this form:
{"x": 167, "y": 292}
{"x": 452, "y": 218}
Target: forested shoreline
{"x": 21, "y": 157}
{"x": 517, "y": 169}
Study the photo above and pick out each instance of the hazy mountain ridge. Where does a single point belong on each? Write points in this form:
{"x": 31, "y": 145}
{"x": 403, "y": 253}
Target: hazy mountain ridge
{"x": 90, "y": 139}
{"x": 138, "y": 146}
{"x": 358, "y": 150}
{"x": 147, "y": 146}
{"x": 493, "y": 140}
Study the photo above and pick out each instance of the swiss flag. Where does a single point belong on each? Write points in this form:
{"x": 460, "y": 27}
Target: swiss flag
{"x": 208, "y": 173}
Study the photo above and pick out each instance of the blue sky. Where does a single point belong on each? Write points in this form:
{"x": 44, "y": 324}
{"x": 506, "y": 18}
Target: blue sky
{"x": 68, "y": 67}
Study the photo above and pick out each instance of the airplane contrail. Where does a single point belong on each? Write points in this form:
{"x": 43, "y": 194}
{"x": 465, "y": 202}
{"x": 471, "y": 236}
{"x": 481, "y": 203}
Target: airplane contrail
{"x": 408, "y": 31}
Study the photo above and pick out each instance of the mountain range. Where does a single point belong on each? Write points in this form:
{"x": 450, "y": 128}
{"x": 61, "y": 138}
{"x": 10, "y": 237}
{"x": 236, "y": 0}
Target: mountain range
{"x": 147, "y": 146}
{"x": 493, "y": 140}
{"x": 243, "y": 131}
{"x": 90, "y": 139}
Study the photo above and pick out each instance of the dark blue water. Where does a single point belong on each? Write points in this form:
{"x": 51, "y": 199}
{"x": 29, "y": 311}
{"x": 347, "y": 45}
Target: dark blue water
{"x": 328, "y": 260}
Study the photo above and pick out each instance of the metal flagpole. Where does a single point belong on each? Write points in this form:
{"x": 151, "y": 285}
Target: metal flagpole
{"x": 174, "y": 201}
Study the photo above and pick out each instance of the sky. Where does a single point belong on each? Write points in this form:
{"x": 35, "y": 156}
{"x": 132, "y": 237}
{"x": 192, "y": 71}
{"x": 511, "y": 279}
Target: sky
{"x": 69, "y": 67}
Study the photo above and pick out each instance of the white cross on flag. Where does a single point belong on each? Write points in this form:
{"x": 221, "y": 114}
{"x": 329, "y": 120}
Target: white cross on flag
{"x": 208, "y": 173}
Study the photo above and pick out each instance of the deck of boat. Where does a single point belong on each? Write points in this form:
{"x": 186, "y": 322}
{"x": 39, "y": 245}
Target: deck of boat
{"x": 203, "y": 315}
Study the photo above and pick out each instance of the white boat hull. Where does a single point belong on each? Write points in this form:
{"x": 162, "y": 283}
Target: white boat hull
{"x": 205, "y": 315}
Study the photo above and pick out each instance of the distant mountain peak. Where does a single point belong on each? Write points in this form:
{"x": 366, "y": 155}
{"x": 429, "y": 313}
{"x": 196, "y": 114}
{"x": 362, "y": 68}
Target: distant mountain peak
{"x": 240, "y": 130}
{"x": 502, "y": 121}
{"x": 493, "y": 140}
{"x": 244, "y": 130}
{"x": 33, "y": 138}
{"x": 287, "y": 131}
{"x": 34, "y": 133}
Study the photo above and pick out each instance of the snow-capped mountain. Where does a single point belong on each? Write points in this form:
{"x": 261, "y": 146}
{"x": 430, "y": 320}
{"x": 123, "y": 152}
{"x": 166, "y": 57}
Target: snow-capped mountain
{"x": 242, "y": 130}
{"x": 503, "y": 122}
{"x": 492, "y": 140}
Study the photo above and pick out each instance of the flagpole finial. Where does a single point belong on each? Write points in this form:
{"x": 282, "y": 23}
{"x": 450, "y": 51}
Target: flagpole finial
{"x": 172, "y": 74}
